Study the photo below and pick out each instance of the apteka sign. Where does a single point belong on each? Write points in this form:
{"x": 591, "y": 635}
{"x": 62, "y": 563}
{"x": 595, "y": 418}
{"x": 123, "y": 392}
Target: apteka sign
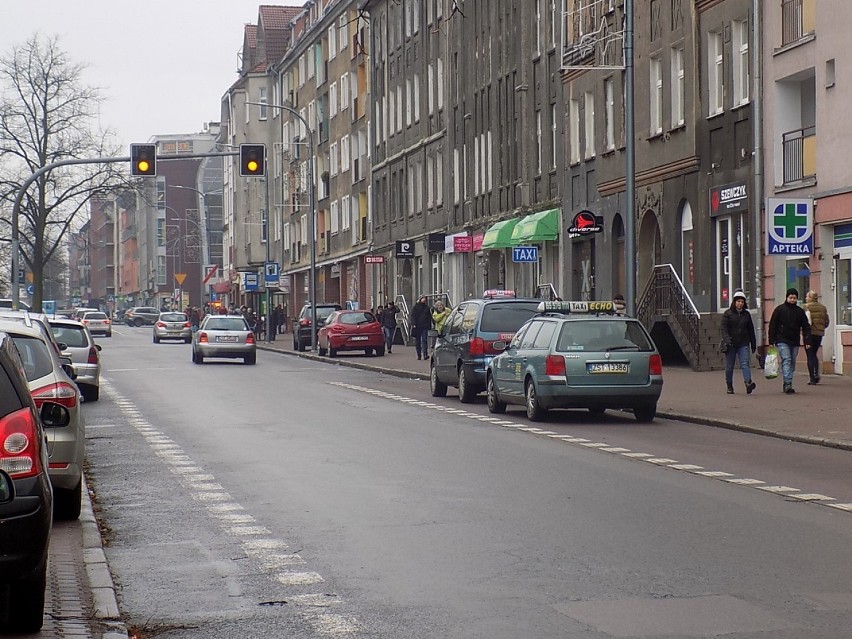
{"x": 789, "y": 226}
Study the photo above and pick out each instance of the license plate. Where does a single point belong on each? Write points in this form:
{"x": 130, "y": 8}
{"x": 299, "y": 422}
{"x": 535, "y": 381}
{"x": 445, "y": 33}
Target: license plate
{"x": 607, "y": 367}
{"x": 360, "y": 338}
{"x": 226, "y": 338}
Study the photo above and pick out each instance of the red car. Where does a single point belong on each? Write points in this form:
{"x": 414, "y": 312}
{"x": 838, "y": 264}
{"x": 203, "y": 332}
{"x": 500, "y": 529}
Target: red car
{"x": 351, "y": 331}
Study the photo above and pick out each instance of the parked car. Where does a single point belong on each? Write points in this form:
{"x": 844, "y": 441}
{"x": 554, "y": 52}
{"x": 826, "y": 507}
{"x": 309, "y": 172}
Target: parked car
{"x": 172, "y": 325}
{"x": 26, "y": 497}
{"x": 82, "y": 310}
{"x": 577, "y": 355}
{"x": 49, "y": 379}
{"x": 141, "y": 315}
{"x": 224, "y": 336}
{"x": 84, "y": 354}
{"x": 465, "y": 345}
{"x": 351, "y": 331}
{"x": 38, "y": 320}
{"x": 98, "y": 323}
{"x": 302, "y": 323}
{"x": 6, "y": 302}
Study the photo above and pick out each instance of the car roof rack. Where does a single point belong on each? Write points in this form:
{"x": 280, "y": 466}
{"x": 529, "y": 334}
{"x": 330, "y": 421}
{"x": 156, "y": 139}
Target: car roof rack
{"x": 577, "y": 307}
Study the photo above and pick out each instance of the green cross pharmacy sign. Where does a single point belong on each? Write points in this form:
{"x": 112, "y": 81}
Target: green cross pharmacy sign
{"x": 789, "y": 226}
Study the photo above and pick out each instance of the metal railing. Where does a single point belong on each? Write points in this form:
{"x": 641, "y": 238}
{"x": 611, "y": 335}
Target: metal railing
{"x": 666, "y": 295}
{"x": 799, "y": 148}
{"x": 797, "y": 20}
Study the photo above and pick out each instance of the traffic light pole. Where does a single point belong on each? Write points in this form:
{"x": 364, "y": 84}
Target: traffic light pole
{"x": 16, "y": 207}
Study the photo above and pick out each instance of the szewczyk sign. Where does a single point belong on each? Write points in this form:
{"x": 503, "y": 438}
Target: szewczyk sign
{"x": 789, "y": 226}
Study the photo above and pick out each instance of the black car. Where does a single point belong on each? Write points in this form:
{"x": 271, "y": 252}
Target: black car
{"x": 26, "y": 498}
{"x": 465, "y": 345}
{"x": 302, "y": 323}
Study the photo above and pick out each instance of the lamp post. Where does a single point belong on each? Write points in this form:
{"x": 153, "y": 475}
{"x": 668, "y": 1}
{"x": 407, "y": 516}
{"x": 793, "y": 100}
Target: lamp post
{"x": 177, "y": 260}
{"x": 312, "y": 216}
{"x": 202, "y": 231}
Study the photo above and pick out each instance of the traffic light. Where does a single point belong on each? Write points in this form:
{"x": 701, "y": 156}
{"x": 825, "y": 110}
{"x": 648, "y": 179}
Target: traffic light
{"x": 252, "y": 160}
{"x": 143, "y": 160}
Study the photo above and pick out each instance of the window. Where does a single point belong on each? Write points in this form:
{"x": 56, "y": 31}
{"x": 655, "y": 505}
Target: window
{"x": 302, "y": 74}
{"x": 440, "y": 82}
{"x": 554, "y": 23}
{"x": 332, "y": 43}
{"x": 332, "y": 99}
{"x": 741, "y": 70}
{"x": 609, "y": 114}
{"x": 589, "y": 100}
{"x": 311, "y": 64}
{"x": 439, "y": 171}
{"x": 344, "y": 154}
{"x": 344, "y": 92}
{"x": 399, "y": 109}
{"x": 416, "y": 97}
{"x": 574, "y": 130}
{"x": 430, "y": 91}
{"x": 343, "y": 32}
{"x": 538, "y": 27}
{"x": 408, "y": 100}
{"x": 344, "y": 213}
{"x": 715, "y": 73}
{"x": 456, "y": 177}
{"x": 334, "y": 155}
{"x": 335, "y": 216}
{"x": 678, "y": 87}
{"x": 392, "y": 113}
{"x": 656, "y": 96}
{"x": 161, "y": 270}
{"x": 538, "y": 142}
{"x": 261, "y": 109}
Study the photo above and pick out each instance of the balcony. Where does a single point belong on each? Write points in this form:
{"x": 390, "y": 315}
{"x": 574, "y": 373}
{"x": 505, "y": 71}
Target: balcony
{"x": 798, "y": 19}
{"x": 799, "y": 148}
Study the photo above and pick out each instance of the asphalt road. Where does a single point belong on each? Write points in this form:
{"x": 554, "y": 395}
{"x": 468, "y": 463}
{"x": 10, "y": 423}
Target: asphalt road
{"x": 301, "y": 499}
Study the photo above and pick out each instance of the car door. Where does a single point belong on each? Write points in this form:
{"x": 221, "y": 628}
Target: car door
{"x": 505, "y": 371}
{"x": 445, "y": 348}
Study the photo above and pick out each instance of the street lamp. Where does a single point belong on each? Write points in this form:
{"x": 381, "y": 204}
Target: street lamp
{"x": 313, "y": 215}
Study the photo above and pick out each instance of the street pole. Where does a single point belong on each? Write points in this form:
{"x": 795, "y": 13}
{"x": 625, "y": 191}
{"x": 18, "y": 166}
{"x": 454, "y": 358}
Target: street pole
{"x": 630, "y": 169}
{"x": 312, "y": 216}
{"x": 265, "y": 230}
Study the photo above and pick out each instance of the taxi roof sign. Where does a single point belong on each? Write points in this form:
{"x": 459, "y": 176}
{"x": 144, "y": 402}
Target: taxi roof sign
{"x": 576, "y": 306}
{"x": 497, "y": 293}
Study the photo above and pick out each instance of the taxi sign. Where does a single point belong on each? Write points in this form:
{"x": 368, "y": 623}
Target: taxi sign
{"x": 572, "y": 306}
{"x": 498, "y": 293}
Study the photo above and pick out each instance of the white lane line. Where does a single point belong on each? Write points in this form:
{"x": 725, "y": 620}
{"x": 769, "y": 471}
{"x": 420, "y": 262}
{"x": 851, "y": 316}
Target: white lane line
{"x": 744, "y": 481}
{"x": 714, "y": 473}
{"x": 686, "y": 467}
{"x": 846, "y": 507}
{"x": 299, "y": 578}
{"x": 616, "y": 449}
{"x": 812, "y": 497}
{"x": 594, "y": 444}
{"x": 779, "y": 489}
{"x": 637, "y": 455}
{"x": 661, "y": 461}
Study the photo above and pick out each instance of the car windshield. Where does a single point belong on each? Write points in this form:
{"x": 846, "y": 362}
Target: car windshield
{"x": 506, "y": 317}
{"x": 95, "y": 316}
{"x": 34, "y": 355}
{"x": 603, "y": 335}
{"x": 356, "y": 318}
{"x": 226, "y": 324}
{"x": 173, "y": 317}
{"x": 71, "y": 336}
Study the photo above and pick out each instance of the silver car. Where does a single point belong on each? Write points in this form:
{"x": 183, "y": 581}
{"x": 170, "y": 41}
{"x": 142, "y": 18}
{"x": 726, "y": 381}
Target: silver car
{"x": 48, "y": 379}
{"x": 98, "y": 323}
{"x": 224, "y": 336}
{"x": 84, "y": 354}
{"x": 172, "y": 325}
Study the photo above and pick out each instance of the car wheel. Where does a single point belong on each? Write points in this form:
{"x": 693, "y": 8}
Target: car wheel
{"x": 535, "y": 413}
{"x": 251, "y": 360}
{"x": 368, "y": 352}
{"x": 467, "y": 394}
{"x": 322, "y": 351}
{"x": 90, "y": 393}
{"x": 26, "y": 603}
{"x": 188, "y": 340}
{"x": 437, "y": 387}
{"x": 380, "y": 351}
{"x": 156, "y": 339}
{"x": 645, "y": 414}
{"x": 300, "y": 346}
{"x": 109, "y": 334}
{"x": 494, "y": 403}
{"x": 67, "y": 503}
{"x": 138, "y": 322}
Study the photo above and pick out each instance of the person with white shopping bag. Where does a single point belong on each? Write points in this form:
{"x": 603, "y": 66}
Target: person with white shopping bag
{"x": 787, "y": 324}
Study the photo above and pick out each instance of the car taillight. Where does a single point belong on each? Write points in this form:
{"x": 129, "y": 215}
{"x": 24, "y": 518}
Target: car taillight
{"x": 477, "y": 346}
{"x": 61, "y": 392}
{"x": 186, "y": 325}
{"x": 93, "y": 355}
{"x": 250, "y": 338}
{"x": 304, "y": 322}
{"x": 86, "y": 322}
{"x": 106, "y": 321}
{"x": 161, "y": 325}
{"x": 202, "y": 337}
{"x": 18, "y": 438}
{"x": 554, "y": 365}
{"x": 336, "y": 328}
{"x": 655, "y": 365}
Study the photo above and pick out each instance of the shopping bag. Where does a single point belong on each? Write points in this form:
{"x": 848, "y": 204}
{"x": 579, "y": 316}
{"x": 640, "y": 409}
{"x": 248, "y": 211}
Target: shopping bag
{"x": 772, "y": 365}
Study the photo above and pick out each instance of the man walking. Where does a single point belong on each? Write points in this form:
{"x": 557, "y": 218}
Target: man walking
{"x": 389, "y": 324}
{"x": 818, "y": 319}
{"x": 787, "y": 323}
{"x": 421, "y": 322}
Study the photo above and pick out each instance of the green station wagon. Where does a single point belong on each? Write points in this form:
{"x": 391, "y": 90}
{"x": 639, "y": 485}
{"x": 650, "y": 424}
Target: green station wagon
{"x": 577, "y": 355}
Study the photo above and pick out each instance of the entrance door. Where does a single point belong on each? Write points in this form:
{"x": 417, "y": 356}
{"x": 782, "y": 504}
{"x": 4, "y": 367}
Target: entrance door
{"x": 729, "y": 266}
{"x": 584, "y": 269}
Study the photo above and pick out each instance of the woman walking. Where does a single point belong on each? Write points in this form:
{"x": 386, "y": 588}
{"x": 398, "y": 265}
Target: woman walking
{"x": 737, "y": 336}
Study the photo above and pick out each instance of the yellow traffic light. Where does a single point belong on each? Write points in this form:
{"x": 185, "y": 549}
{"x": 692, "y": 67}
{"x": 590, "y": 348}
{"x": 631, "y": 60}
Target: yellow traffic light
{"x": 252, "y": 160}
{"x": 143, "y": 160}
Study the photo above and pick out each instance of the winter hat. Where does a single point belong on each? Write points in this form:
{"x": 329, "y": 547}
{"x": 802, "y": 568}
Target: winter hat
{"x": 792, "y": 291}
{"x": 738, "y": 295}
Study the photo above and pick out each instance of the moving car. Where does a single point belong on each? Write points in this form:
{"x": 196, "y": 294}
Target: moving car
{"x": 302, "y": 323}
{"x": 465, "y": 346}
{"x": 141, "y": 315}
{"x": 26, "y": 498}
{"x": 577, "y": 355}
{"x": 49, "y": 381}
{"x": 224, "y": 336}
{"x": 172, "y": 325}
{"x": 80, "y": 347}
{"x": 98, "y": 323}
{"x": 351, "y": 331}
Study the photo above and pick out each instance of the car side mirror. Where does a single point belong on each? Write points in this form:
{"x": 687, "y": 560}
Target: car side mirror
{"x": 54, "y": 415}
{"x": 7, "y": 488}
{"x": 62, "y": 346}
{"x": 68, "y": 367}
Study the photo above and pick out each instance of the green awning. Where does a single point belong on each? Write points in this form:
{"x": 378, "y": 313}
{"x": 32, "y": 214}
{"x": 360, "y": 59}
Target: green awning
{"x": 500, "y": 235}
{"x": 537, "y": 227}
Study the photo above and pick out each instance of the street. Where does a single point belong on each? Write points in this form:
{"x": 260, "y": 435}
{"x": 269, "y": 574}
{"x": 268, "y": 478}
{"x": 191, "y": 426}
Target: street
{"x": 301, "y": 499}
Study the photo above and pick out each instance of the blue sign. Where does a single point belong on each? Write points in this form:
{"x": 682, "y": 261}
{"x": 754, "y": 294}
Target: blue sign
{"x": 525, "y": 254}
{"x": 790, "y": 226}
{"x": 48, "y": 307}
{"x": 30, "y": 289}
{"x": 270, "y": 273}
{"x": 250, "y": 281}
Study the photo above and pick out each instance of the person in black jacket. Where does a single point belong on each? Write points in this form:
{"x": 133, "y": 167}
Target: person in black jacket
{"x": 787, "y": 323}
{"x": 421, "y": 322}
{"x": 737, "y": 336}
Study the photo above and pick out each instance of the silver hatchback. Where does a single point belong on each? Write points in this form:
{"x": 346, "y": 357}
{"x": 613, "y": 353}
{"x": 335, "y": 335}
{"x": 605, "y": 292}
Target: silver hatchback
{"x": 172, "y": 325}
{"x": 84, "y": 354}
{"x": 224, "y": 336}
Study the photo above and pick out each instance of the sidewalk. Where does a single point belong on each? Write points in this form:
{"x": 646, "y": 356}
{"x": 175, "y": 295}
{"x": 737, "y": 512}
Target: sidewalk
{"x": 815, "y": 414}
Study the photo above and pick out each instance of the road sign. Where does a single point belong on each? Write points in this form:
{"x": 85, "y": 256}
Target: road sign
{"x": 210, "y": 272}
{"x": 48, "y": 307}
{"x": 270, "y": 272}
{"x": 30, "y": 289}
{"x": 250, "y": 281}
{"x": 525, "y": 254}
{"x": 179, "y": 278}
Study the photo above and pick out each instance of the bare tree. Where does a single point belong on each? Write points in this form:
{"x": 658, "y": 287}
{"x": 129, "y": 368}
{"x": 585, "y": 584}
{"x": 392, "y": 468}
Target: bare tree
{"x": 47, "y": 114}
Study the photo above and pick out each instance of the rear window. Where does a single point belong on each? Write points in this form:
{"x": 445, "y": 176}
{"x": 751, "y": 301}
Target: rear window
{"x": 604, "y": 335}
{"x": 506, "y": 317}
{"x": 173, "y": 317}
{"x": 34, "y": 355}
{"x": 95, "y": 316}
{"x": 226, "y": 324}
{"x": 356, "y": 318}
{"x": 71, "y": 336}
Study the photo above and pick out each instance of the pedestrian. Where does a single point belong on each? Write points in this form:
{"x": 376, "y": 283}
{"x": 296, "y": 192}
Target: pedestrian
{"x": 818, "y": 319}
{"x": 737, "y": 336}
{"x": 378, "y": 313}
{"x": 389, "y": 324}
{"x": 421, "y": 322}
{"x": 273, "y": 324}
{"x": 439, "y": 316}
{"x": 281, "y": 327}
{"x": 619, "y": 304}
{"x": 194, "y": 319}
{"x": 787, "y": 324}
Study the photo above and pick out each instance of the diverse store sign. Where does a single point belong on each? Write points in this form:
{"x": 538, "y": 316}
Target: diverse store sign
{"x": 790, "y": 226}
{"x": 586, "y": 223}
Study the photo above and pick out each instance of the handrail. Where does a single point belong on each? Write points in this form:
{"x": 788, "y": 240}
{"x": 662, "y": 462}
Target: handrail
{"x": 665, "y": 294}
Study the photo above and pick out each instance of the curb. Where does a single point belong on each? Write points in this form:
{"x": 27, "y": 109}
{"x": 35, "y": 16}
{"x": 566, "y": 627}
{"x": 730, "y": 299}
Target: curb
{"x": 680, "y": 417}
{"x": 104, "y": 600}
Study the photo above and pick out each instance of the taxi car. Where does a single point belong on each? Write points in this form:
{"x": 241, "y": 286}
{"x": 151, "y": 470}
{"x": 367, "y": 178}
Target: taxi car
{"x": 172, "y": 325}
{"x": 224, "y": 336}
{"x": 577, "y": 355}
{"x": 465, "y": 345}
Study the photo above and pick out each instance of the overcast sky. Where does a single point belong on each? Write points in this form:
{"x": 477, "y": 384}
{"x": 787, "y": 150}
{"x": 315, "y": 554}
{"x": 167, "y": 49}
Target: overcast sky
{"x": 162, "y": 65}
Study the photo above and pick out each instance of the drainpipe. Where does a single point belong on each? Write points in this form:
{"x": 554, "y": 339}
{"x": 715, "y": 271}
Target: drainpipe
{"x": 757, "y": 112}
